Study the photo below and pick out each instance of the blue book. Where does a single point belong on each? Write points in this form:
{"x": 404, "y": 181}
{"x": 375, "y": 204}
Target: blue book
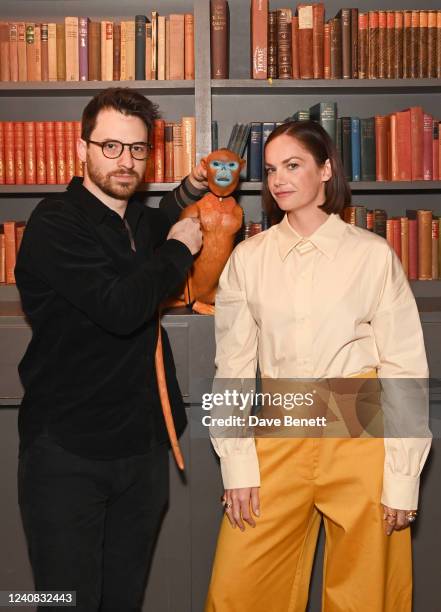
{"x": 356, "y": 149}
{"x": 267, "y": 128}
{"x": 254, "y": 156}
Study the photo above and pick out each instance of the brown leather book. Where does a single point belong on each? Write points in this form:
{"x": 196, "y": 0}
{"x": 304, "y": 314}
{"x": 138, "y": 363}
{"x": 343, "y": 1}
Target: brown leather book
{"x": 154, "y": 71}
{"x": 393, "y": 148}
{"x": 404, "y": 147}
{"x": 78, "y": 162}
{"x": 382, "y": 44}
{"x": 424, "y": 218}
{"x": 407, "y": 44}
{"x": 431, "y": 44}
{"x": 306, "y": 50}
{"x": 116, "y": 51}
{"x": 30, "y": 153}
{"x": 259, "y": 39}
{"x": 398, "y": 45}
{"x": 219, "y": 25}
{"x": 177, "y": 55}
{"x": 354, "y": 42}
{"x": 40, "y": 154}
{"x": 435, "y": 149}
{"x": 345, "y": 19}
{"x": 94, "y": 50}
{"x": 414, "y": 44}
{"x": 51, "y": 157}
{"x": 159, "y": 150}
{"x": 8, "y": 134}
{"x": 336, "y": 48}
{"x": 318, "y": 16}
{"x": 52, "y": 51}
{"x": 423, "y": 67}
{"x": 189, "y": 46}
{"x": 72, "y": 49}
{"x": 435, "y": 248}
{"x": 363, "y": 46}
{"x": 168, "y": 153}
{"x": 22, "y": 54}
{"x": 188, "y": 144}
{"x": 295, "y": 47}
{"x": 177, "y": 151}
{"x": 10, "y": 232}
{"x": 61, "y": 52}
{"x": 284, "y": 50}
{"x": 382, "y": 148}
{"x": 404, "y": 231}
{"x": 327, "y": 51}
{"x": 438, "y": 44}
{"x": 2, "y": 156}
{"x": 373, "y": 38}
{"x": 44, "y": 52}
{"x": 19, "y": 153}
{"x": 60, "y": 152}
{"x": 13, "y": 51}
{"x": 417, "y": 140}
{"x": 428, "y": 147}
{"x": 2, "y": 256}
{"x": 272, "y": 45}
{"x": 69, "y": 140}
{"x": 413, "y": 249}
{"x": 5, "y": 74}
{"x": 390, "y": 44}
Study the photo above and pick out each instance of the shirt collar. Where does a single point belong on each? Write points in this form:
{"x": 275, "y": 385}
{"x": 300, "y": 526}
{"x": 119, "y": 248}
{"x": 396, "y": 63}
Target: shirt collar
{"x": 326, "y": 238}
{"x": 96, "y": 209}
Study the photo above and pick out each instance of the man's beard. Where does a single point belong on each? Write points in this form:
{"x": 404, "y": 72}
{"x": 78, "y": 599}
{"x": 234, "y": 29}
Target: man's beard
{"x": 119, "y": 191}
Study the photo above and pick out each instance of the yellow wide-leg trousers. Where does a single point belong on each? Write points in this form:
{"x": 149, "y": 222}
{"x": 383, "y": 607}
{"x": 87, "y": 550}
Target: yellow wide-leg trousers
{"x": 267, "y": 569}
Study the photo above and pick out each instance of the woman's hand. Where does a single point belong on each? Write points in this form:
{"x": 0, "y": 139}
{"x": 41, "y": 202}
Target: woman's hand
{"x": 240, "y": 505}
{"x": 397, "y": 519}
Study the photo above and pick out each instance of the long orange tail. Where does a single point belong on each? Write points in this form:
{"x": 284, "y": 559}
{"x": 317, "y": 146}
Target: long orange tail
{"x": 165, "y": 401}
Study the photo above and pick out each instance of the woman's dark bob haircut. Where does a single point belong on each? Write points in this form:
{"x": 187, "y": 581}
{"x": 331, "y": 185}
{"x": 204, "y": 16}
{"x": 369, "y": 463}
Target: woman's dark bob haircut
{"x": 312, "y": 137}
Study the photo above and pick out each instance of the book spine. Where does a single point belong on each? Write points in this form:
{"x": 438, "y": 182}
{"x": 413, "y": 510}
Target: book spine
{"x": 380, "y": 218}
{"x": 140, "y": 22}
{"x": 94, "y": 55}
{"x": 398, "y": 45}
{"x": 10, "y": 250}
{"x": 61, "y": 52}
{"x": 396, "y": 236}
{"x": 407, "y": 46}
{"x": 22, "y": 54}
{"x": 424, "y": 218}
{"x": 70, "y": 152}
{"x": 72, "y": 46}
{"x": 354, "y": 42}
{"x": 404, "y": 157}
{"x": 168, "y": 153}
{"x": 188, "y": 144}
{"x": 390, "y": 44}
{"x": 284, "y": 50}
{"x": 272, "y": 44}
{"x": 438, "y": 44}
{"x": 336, "y": 48}
{"x": 31, "y": 61}
{"x": 326, "y": 114}
{"x": 346, "y": 43}
{"x": 8, "y": 132}
{"x": 404, "y": 231}
{"x": 435, "y": 248}
{"x": 259, "y": 39}
{"x": 393, "y": 148}
{"x": 51, "y": 157}
{"x": 189, "y": 46}
{"x": 423, "y": 71}
{"x": 2, "y": 155}
{"x": 373, "y": 40}
{"x": 294, "y": 49}
{"x": 346, "y": 131}
{"x": 161, "y": 48}
{"x": 431, "y": 44}
{"x": 318, "y": 14}
{"x": 219, "y": 39}
{"x": 13, "y": 51}
{"x": 123, "y": 51}
{"x": 414, "y": 44}
{"x": 159, "y": 142}
{"x": 2, "y": 256}
{"x": 177, "y": 45}
{"x": 413, "y": 249}
{"x": 77, "y": 135}
{"x": 382, "y": 50}
{"x": 40, "y": 154}
{"x": 60, "y": 152}
{"x": 5, "y": 74}
{"x": 52, "y": 51}
{"x": 355, "y": 149}
{"x": 177, "y": 151}
{"x": 30, "y": 153}
{"x": 367, "y": 149}
{"x": 435, "y": 148}
{"x": 45, "y": 52}
{"x": 417, "y": 140}
{"x": 427, "y": 147}
{"x": 116, "y": 51}
{"x": 19, "y": 153}
{"x": 254, "y": 156}
{"x": 83, "y": 50}
{"x": 327, "y": 51}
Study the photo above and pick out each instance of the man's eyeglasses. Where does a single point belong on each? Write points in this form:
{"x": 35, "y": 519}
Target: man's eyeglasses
{"x": 114, "y": 148}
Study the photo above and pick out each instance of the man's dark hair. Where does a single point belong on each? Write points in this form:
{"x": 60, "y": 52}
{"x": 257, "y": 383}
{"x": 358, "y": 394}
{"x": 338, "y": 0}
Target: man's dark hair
{"x": 314, "y": 138}
{"x": 122, "y": 99}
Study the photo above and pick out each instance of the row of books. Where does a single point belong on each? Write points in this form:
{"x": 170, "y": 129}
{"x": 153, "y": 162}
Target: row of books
{"x": 11, "y": 234}
{"x": 44, "y": 152}
{"x": 414, "y": 237}
{"x": 355, "y": 44}
{"x": 79, "y": 49}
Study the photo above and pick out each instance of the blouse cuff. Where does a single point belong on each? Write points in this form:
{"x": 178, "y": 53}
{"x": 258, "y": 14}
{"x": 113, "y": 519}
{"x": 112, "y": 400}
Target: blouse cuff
{"x": 400, "y": 492}
{"x": 242, "y": 470}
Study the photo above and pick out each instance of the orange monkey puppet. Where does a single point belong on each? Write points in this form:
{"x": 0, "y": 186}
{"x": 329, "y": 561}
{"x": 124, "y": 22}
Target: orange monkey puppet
{"x": 221, "y": 218}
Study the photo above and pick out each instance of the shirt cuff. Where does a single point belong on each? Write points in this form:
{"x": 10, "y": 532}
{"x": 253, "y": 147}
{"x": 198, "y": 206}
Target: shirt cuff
{"x": 240, "y": 471}
{"x": 400, "y": 492}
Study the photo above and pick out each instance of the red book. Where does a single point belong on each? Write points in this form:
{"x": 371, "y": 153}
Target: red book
{"x": 435, "y": 149}
{"x": 10, "y": 231}
{"x": 416, "y": 124}
{"x": 428, "y": 147}
{"x": 5, "y": 74}
{"x": 306, "y": 46}
{"x": 78, "y": 163}
{"x": 159, "y": 140}
{"x": 393, "y": 148}
{"x": 326, "y": 51}
{"x": 413, "y": 249}
{"x": 19, "y": 153}
{"x": 404, "y": 160}
{"x": 51, "y": 157}
{"x": 295, "y": 47}
{"x": 69, "y": 136}
{"x": 318, "y": 16}
{"x": 8, "y": 133}
{"x": 13, "y": 50}
{"x": 390, "y": 232}
{"x": 396, "y": 231}
{"x": 2, "y": 156}
{"x": 382, "y": 149}
{"x": 40, "y": 154}
{"x": 30, "y": 155}
{"x": 60, "y": 152}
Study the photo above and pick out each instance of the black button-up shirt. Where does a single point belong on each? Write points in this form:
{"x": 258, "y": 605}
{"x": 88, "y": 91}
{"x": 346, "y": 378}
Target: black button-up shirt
{"x": 92, "y": 302}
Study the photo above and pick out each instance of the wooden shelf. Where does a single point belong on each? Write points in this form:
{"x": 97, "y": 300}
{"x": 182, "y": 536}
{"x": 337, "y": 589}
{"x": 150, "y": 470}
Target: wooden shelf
{"x": 364, "y": 186}
{"x": 90, "y": 88}
{"x": 43, "y": 189}
{"x": 338, "y": 86}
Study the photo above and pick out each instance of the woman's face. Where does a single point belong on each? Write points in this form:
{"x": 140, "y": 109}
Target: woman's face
{"x": 294, "y": 179}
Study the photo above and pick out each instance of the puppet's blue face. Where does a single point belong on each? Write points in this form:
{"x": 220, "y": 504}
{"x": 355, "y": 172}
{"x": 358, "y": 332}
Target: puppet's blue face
{"x": 224, "y": 173}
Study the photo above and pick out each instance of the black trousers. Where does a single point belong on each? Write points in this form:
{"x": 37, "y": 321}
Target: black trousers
{"x": 91, "y": 525}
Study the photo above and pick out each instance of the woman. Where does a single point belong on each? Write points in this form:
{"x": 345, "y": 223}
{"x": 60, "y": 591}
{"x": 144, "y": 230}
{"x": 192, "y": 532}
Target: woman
{"x": 314, "y": 297}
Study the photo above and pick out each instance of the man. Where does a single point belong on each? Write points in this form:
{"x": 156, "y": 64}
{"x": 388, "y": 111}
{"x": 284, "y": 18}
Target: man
{"x": 93, "y": 268}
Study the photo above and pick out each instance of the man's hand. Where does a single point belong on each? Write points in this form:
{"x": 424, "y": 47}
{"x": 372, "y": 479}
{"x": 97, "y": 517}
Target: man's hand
{"x": 241, "y": 504}
{"x": 198, "y": 177}
{"x": 189, "y": 232}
